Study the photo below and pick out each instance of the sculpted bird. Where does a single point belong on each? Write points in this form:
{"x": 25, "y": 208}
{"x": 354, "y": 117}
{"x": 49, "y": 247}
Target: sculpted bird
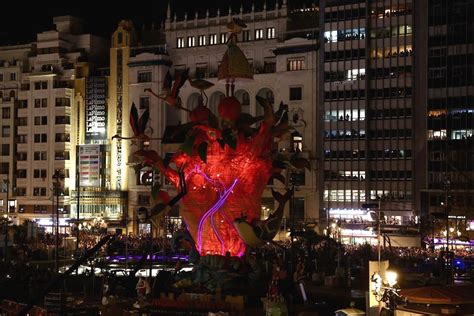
{"x": 201, "y": 85}
{"x": 138, "y": 124}
{"x": 170, "y": 94}
{"x": 257, "y": 233}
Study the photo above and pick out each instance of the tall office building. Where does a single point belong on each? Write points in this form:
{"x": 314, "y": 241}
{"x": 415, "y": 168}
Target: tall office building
{"x": 367, "y": 110}
{"x": 450, "y": 120}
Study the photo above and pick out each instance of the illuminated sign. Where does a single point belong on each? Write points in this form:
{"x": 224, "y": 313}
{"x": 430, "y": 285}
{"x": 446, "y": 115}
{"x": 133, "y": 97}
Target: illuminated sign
{"x": 96, "y": 108}
{"x": 89, "y": 165}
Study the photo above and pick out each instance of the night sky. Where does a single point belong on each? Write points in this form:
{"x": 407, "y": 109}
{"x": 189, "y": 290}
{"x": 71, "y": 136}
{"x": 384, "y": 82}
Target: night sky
{"x": 20, "y": 21}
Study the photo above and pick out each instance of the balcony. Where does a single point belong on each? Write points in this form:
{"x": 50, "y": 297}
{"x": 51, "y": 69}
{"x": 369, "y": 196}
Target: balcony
{"x": 266, "y": 69}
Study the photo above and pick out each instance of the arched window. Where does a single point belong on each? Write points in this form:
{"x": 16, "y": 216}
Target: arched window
{"x": 193, "y": 101}
{"x": 214, "y": 100}
{"x": 244, "y": 99}
{"x": 267, "y": 94}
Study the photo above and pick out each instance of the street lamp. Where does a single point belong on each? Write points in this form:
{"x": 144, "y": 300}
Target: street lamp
{"x": 448, "y": 263}
{"x": 386, "y": 289}
{"x": 57, "y": 176}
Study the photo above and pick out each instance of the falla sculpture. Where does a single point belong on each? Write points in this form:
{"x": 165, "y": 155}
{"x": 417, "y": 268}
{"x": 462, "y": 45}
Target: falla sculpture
{"x": 226, "y": 161}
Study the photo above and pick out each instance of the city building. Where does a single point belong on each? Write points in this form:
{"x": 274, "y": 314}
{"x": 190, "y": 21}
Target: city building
{"x": 43, "y": 130}
{"x": 12, "y": 61}
{"x": 284, "y": 59}
{"x": 368, "y": 118}
{"x": 449, "y": 128}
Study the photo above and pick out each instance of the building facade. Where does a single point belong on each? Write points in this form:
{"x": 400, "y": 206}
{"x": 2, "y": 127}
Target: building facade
{"x": 41, "y": 169}
{"x": 450, "y": 124}
{"x": 284, "y": 64}
{"x": 367, "y": 111}
{"x": 13, "y": 60}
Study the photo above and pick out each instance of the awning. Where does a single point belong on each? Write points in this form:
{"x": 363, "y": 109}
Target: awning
{"x": 453, "y": 294}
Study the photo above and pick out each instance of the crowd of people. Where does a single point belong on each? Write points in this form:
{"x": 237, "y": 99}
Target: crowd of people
{"x": 285, "y": 262}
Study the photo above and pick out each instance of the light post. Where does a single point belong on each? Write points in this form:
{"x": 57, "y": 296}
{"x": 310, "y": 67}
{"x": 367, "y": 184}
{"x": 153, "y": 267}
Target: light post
{"x": 57, "y": 176}
{"x": 328, "y": 209}
{"x": 447, "y": 186}
{"x": 7, "y": 184}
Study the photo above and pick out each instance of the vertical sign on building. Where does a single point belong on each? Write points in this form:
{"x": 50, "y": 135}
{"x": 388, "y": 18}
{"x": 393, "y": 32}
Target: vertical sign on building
{"x": 89, "y": 165}
{"x": 96, "y": 109}
{"x": 119, "y": 115}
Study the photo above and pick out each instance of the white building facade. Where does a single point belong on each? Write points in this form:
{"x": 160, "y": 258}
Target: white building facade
{"x": 285, "y": 69}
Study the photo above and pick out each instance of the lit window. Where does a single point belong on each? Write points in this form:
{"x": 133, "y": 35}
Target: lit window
{"x": 270, "y": 32}
{"x": 223, "y": 38}
{"x": 355, "y": 74}
{"x": 201, "y": 40}
{"x": 294, "y": 64}
{"x": 297, "y": 142}
{"x": 213, "y": 39}
{"x": 433, "y": 134}
{"x": 258, "y": 34}
{"x": 180, "y": 42}
{"x": 191, "y": 41}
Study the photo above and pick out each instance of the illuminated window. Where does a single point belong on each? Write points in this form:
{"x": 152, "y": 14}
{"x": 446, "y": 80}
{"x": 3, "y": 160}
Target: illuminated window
{"x": 180, "y": 42}
{"x": 191, "y": 41}
{"x": 201, "y": 40}
{"x": 297, "y": 142}
{"x": 440, "y": 134}
{"x": 270, "y": 32}
{"x": 145, "y": 176}
{"x": 461, "y": 134}
{"x": 294, "y": 64}
{"x": 223, "y": 38}
{"x": 258, "y": 34}
{"x": 212, "y": 39}
{"x": 330, "y": 36}
{"x": 355, "y": 74}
